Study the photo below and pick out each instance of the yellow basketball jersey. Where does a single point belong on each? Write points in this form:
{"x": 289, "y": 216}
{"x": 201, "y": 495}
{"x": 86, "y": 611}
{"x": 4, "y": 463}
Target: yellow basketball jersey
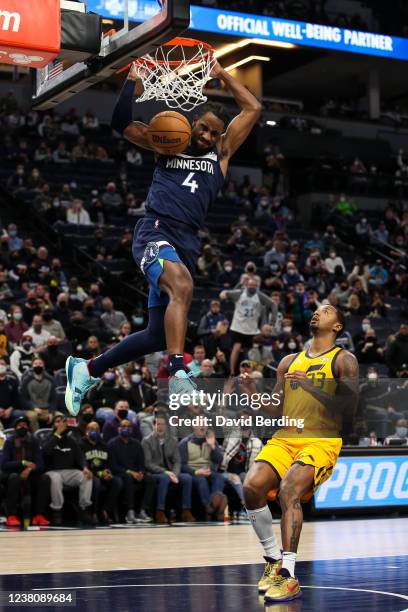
{"x": 319, "y": 419}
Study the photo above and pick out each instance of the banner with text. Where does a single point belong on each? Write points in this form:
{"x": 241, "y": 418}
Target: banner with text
{"x": 248, "y": 25}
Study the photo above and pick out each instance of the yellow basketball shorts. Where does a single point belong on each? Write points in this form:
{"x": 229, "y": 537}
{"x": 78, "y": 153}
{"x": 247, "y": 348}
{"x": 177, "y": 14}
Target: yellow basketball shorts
{"x": 282, "y": 453}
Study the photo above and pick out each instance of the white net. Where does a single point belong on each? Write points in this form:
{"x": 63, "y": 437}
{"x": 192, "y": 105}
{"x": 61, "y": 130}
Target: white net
{"x": 176, "y": 74}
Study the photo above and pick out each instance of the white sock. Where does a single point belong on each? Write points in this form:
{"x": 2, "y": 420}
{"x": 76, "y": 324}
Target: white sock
{"x": 261, "y": 520}
{"x": 288, "y": 562}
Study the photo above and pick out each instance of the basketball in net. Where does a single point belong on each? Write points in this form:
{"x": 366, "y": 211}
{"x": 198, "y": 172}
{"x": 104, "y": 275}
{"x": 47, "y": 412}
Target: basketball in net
{"x": 176, "y": 73}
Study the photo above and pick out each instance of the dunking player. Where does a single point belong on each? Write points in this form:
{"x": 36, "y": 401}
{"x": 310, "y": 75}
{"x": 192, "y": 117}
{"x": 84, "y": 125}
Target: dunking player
{"x": 319, "y": 385}
{"x": 166, "y": 242}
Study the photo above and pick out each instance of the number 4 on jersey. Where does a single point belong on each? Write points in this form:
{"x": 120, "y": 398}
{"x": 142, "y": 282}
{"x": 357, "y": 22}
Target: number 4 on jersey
{"x": 193, "y": 185}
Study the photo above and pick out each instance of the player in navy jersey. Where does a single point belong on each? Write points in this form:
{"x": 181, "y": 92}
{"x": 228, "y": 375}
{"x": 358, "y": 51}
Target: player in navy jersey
{"x": 166, "y": 242}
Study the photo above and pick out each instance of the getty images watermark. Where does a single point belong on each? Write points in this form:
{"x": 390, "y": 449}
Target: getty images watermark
{"x": 235, "y": 401}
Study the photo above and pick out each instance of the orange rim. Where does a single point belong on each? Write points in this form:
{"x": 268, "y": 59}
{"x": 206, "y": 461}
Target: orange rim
{"x": 178, "y": 41}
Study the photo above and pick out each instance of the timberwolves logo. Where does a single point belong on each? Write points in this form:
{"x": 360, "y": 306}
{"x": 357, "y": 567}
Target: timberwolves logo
{"x": 151, "y": 252}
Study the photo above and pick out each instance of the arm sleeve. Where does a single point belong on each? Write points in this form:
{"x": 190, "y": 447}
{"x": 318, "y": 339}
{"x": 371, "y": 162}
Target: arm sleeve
{"x": 122, "y": 113}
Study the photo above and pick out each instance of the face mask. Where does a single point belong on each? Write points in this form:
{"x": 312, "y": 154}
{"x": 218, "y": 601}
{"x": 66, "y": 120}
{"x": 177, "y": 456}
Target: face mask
{"x": 109, "y": 376}
{"x": 287, "y": 329}
{"x": 38, "y": 370}
{"x": 32, "y": 301}
{"x": 274, "y": 267}
{"x": 89, "y": 309}
{"x": 292, "y": 346}
{"x": 13, "y": 233}
{"x": 22, "y": 432}
{"x": 122, "y": 413}
{"x": 62, "y": 304}
{"x": 126, "y": 433}
{"x": 250, "y": 270}
{"x": 228, "y": 269}
{"x": 95, "y": 436}
{"x": 136, "y": 378}
{"x": 138, "y": 320}
{"x": 365, "y": 327}
{"x": 26, "y": 346}
{"x": 3, "y": 369}
{"x": 47, "y": 316}
{"x": 372, "y": 377}
{"x": 291, "y": 271}
{"x": 87, "y": 417}
{"x": 17, "y": 316}
{"x": 401, "y": 431}
{"x": 251, "y": 291}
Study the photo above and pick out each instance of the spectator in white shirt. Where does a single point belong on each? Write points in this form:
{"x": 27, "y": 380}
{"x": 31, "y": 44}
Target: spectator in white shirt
{"x": 77, "y": 214}
{"x": 38, "y": 334}
{"x": 333, "y": 261}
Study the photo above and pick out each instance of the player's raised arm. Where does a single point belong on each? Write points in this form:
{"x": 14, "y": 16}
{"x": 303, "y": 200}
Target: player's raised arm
{"x": 122, "y": 121}
{"x": 240, "y": 127}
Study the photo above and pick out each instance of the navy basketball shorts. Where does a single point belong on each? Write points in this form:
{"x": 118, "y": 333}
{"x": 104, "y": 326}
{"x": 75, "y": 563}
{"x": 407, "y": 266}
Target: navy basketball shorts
{"x": 157, "y": 240}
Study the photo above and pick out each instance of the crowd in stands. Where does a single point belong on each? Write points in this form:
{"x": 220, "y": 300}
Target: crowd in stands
{"x": 121, "y": 453}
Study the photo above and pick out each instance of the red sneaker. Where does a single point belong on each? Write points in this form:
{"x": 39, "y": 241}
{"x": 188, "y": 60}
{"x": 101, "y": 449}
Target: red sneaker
{"x": 40, "y": 520}
{"x": 12, "y": 521}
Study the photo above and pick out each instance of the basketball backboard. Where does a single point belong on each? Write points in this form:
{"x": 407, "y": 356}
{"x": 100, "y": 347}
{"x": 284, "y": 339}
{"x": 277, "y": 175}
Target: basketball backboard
{"x": 57, "y": 82}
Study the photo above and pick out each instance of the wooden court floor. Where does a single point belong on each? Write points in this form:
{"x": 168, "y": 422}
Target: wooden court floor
{"x": 190, "y": 546}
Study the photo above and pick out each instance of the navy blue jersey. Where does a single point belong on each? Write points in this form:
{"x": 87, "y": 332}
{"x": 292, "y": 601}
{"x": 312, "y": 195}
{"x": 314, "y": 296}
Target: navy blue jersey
{"x": 185, "y": 185}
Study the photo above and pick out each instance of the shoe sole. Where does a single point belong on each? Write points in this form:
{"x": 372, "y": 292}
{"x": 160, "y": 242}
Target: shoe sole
{"x": 68, "y": 392}
{"x": 271, "y": 600}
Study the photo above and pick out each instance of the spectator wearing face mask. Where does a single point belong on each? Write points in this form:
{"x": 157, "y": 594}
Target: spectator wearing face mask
{"x": 16, "y": 327}
{"x": 368, "y": 349}
{"x": 105, "y": 487}
{"x": 290, "y": 345}
{"x": 22, "y": 356}
{"x": 38, "y": 334}
{"x": 107, "y": 392}
{"x": 333, "y": 261}
{"x": 128, "y": 462}
{"x": 378, "y": 275}
{"x": 209, "y": 328}
{"x": 400, "y": 436}
{"x": 250, "y": 305}
{"x": 111, "y": 425}
{"x": 364, "y": 229}
{"x": 273, "y": 279}
{"x": 61, "y": 311}
{"x": 54, "y": 358}
{"x": 9, "y": 398}
{"x": 23, "y": 466}
{"x": 52, "y": 325}
{"x": 140, "y": 393}
{"x": 38, "y": 396}
{"x": 228, "y": 278}
{"x": 292, "y": 276}
{"x": 365, "y": 326}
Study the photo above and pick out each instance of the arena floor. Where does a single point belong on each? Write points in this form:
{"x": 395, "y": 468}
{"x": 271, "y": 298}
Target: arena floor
{"x": 344, "y": 565}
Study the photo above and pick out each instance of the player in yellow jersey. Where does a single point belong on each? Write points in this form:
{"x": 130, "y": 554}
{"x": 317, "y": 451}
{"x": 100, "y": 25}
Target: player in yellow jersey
{"x": 320, "y": 386}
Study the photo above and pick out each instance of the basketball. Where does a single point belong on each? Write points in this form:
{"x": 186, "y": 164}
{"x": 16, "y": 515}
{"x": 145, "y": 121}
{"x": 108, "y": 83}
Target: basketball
{"x": 169, "y": 133}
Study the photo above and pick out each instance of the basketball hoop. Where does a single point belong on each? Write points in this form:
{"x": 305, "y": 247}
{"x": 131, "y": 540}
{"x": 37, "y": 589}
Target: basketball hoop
{"x": 176, "y": 73}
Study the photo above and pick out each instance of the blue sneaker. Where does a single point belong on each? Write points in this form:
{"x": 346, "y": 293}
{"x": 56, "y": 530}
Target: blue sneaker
{"x": 79, "y": 382}
{"x": 181, "y": 384}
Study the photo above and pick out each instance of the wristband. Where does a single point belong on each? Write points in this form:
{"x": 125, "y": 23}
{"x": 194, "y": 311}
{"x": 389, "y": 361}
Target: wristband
{"x": 129, "y": 472}
{"x": 24, "y": 463}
